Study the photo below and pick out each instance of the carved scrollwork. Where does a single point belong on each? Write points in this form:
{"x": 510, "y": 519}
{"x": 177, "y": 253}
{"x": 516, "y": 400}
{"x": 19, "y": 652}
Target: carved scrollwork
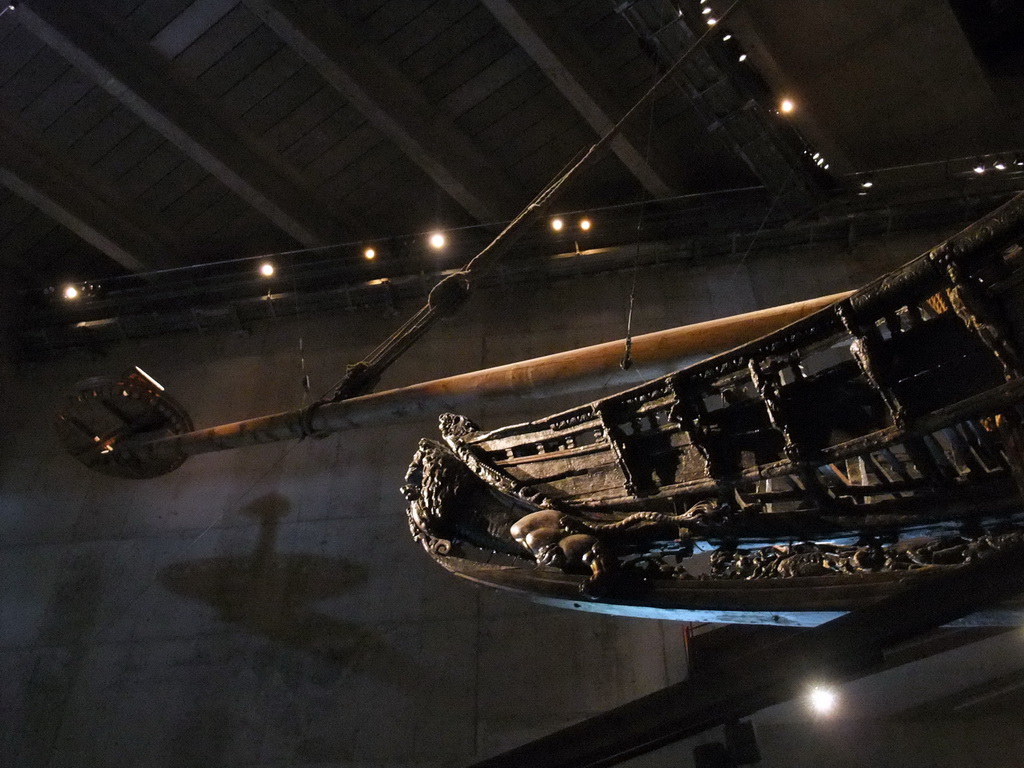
{"x": 813, "y": 559}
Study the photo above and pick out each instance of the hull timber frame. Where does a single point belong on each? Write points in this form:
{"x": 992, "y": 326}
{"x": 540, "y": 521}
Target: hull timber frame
{"x": 791, "y": 479}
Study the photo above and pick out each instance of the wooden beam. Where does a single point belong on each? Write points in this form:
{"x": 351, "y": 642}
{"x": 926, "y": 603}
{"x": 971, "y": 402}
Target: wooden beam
{"x": 143, "y": 82}
{"x": 576, "y": 83}
{"x": 71, "y": 196}
{"x": 393, "y": 104}
{"x": 577, "y": 370}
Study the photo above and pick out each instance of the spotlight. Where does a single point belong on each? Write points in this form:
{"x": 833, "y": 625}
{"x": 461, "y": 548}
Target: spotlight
{"x": 70, "y": 292}
{"x": 979, "y": 168}
{"x": 437, "y": 241}
{"x": 787, "y": 106}
{"x": 369, "y": 254}
{"x": 743, "y": 57}
{"x": 726, "y": 38}
{"x": 705, "y": 10}
{"x": 867, "y": 184}
{"x": 999, "y": 165}
{"x": 267, "y": 269}
{"x": 557, "y": 225}
{"x": 585, "y": 224}
{"x": 712, "y": 22}
{"x": 822, "y": 700}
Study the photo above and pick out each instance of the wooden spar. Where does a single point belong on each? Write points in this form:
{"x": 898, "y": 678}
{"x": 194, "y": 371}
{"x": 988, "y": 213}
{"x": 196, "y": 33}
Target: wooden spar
{"x": 654, "y": 353}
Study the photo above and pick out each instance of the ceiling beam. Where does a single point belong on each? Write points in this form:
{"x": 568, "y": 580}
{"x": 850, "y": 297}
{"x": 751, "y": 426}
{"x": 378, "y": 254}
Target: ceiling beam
{"x": 143, "y": 82}
{"x": 74, "y": 198}
{"x": 576, "y": 82}
{"x": 393, "y": 104}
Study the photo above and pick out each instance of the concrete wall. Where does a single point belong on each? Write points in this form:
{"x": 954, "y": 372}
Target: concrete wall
{"x": 266, "y": 607}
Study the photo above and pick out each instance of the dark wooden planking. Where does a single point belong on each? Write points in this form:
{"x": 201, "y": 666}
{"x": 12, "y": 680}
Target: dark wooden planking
{"x": 282, "y": 101}
{"x": 190, "y": 25}
{"x": 331, "y": 167}
{"x": 104, "y": 136}
{"x": 447, "y": 44}
{"x": 81, "y": 117}
{"x": 529, "y": 92}
{"x": 574, "y": 71}
{"x": 467, "y": 63}
{"x": 205, "y": 195}
{"x": 39, "y": 73}
{"x": 498, "y": 73}
{"x": 210, "y": 47}
{"x": 321, "y": 106}
{"x": 391, "y": 17}
{"x": 425, "y": 28}
{"x": 150, "y": 170}
{"x": 175, "y": 183}
{"x": 152, "y": 16}
{"x": 370, "y": 82}
{"x": 52, "y": 103}
{"x": 235, "y": 65}
{"x": 128, "y": 154}
{"x": 16, "y": 49}
{"x": 67, "y": 193}
{"x": 141, "y": 81}
{"x": 257, "y": 85}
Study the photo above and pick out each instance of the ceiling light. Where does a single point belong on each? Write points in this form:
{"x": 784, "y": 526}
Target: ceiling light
{"x": 70, "y": 292}
{"x": 787, "y": 106}
{"x": 557, "y": 225}
{"x": 979, "y": 168}
{"x": 726, "y": 38}
{"x": 999, "y": 165}
{"x": 370, "y": 254}
{"x": 437, "y": 241}
{"x": 867, "y": 183}
{"x": 585, "y": 224}
{"x": 267, "y": 269}
{"x": 712, "y": 22}
{"x": 743, "y": 57}
{"x": 822, "y": 700}
{"x": 706, "y": 11}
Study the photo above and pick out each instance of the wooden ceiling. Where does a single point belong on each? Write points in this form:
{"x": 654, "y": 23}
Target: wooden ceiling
{"x": 143, "y": 135}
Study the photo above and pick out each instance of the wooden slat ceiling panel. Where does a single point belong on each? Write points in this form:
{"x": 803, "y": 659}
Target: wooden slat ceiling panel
{"x": 213, "y": 45}
{"x": 31, "y": 80}
{"x": 414, "y": 36}
{"x": 60, "y": 252}
{"x": 382, "y": 184}
{"x": 17, "y": 47}
{"x": 151, "y": 16}
{"x": 268, "y": 78}
{"x": 268, "y": 113}
{"x": 447, "y": 43}
{"x": 238, "y": 63}
{"x": 391, "y": 16}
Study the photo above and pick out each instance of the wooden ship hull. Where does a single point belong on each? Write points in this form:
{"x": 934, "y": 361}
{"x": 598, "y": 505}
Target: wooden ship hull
{"x": 788, "y": 480}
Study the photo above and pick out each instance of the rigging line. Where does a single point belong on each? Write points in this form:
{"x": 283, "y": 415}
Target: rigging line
{"x": 627, "y": 355}
{"x": 764, "y": 221}
{"x": 362, "y": 376}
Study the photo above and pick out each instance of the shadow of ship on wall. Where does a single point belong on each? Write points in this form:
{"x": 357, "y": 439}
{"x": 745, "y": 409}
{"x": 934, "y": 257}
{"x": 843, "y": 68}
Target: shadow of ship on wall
{"x": 270, "y": 593}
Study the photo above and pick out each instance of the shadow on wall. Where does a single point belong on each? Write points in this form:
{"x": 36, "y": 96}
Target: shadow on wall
{"x": 270, "y": 593}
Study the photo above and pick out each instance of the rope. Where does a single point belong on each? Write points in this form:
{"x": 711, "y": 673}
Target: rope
{"x": 453, "y": 290}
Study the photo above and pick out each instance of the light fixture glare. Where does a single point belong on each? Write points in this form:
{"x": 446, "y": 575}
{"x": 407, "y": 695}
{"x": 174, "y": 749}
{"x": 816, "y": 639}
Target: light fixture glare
{"x": 267, "y": 269}
{"x": 70, "y": 292}
{"x": 585, "y": 224}
{"x": 822, "y": 700}
{"x": 787, "y": 105}
{"x": 557, "y": 225}
{"x": 369, "y": 254}
{"x": 437, "y": 241}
